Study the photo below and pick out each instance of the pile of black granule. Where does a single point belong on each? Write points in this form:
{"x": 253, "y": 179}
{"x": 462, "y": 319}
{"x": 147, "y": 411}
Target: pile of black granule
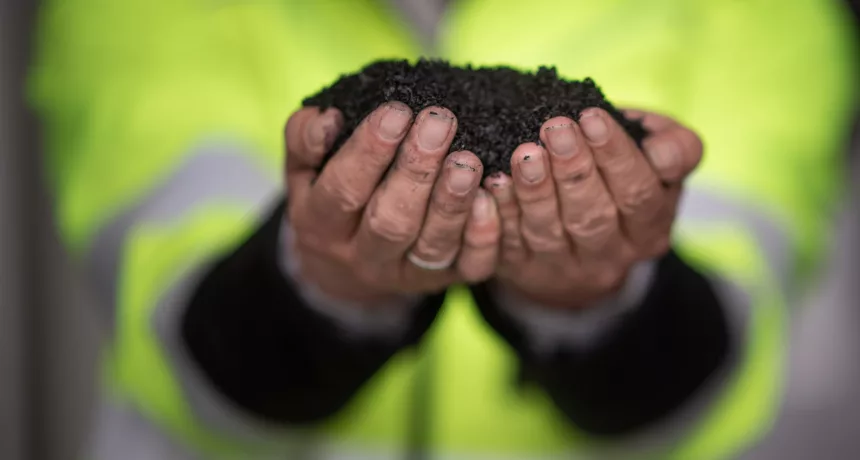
{"x": 497, "y": 108}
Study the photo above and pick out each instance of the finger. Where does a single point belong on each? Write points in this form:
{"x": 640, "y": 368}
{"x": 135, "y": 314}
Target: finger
{"x": 588, "y": 213}
{"x": 348, "y": 180}
{"x": 442, "y": 233}
{"x": 513, "y": 249}
{"x": 674, "y": 153}
{"x": 394, "y": 217}
{"x": 480, "y": 251}
{"x": 540, "y": 222}
{"x": 633, "y": 184}
{"x": 662, "y": 239}
{"x": 653, "y": 122}
{"x": 309, "y": 134}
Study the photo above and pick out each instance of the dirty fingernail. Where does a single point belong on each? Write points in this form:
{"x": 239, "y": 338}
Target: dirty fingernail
{"x": 330, "y": 123}
{"x": 532, "y": 168}
{"x": 462, "y": 178}
{"x": 395, "y": 120}
{"x": 594, "y": 126}
{"x": 561, "y": 140}
{"x": 499, "y": 185}
{"x": 434, "y": 130}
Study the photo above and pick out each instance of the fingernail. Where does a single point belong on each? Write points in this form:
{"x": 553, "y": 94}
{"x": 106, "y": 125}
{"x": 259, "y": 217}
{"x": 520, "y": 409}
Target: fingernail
{"x": 561, "y": 140}
{"x": 483, "y": 208}
{"x": 331, "y": 122}
{"x": 663, "y": 156}
{"x": 500, "y": 186}
{"x": 395, "y": 120}
{"x": 496, "y": 180}
{"x": 531, "y": 167}
{"x": 594, "y": 126}
{"x": 434, "y": 130}
{"x": 461, "y": 178}
{"x": 317, "y": 133}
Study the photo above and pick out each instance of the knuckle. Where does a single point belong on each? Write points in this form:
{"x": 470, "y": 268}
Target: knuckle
{"x": 573, "y": 176}
{"x": 391, "y": 228}
{"x": 535, "y": 196}
{"x": 637, "y": 195}
{"x": 549, "y": 239}
{"x": 597, "y": 221}
{"x": 482, "y": 237}
{"x": 435, "y": 250}
{"x": 375, "y": 154}
{"x": 417, "y": 168}
{"x": 449, "y": 205}
{"x": 619, "y": 165}
{"x": 345, "y": 198}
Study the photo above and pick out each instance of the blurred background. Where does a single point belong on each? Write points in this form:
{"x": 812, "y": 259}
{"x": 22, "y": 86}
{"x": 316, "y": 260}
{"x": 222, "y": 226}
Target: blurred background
{"x": 48, "y": 328}
{"x": 49, "y": 332}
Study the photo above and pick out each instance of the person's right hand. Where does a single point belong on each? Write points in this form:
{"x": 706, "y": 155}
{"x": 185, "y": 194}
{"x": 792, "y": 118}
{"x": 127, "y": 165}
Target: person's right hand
{"x": 391, "y": 212}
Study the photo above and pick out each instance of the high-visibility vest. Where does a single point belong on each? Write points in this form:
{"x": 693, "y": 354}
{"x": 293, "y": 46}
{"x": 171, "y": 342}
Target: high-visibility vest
{"x": 164, "y": 133}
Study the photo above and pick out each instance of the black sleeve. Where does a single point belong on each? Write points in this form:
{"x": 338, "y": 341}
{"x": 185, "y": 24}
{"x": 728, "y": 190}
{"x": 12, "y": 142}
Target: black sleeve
{"x": 650, "y": 364}
{"x": 262, "y": 348}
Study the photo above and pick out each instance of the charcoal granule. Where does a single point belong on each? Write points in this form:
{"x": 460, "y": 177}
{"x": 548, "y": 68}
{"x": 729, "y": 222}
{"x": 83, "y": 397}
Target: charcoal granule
{"x": 497, "y": 108}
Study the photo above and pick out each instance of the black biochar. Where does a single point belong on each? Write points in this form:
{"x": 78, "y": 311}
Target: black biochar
{"x": 497, "y": 108}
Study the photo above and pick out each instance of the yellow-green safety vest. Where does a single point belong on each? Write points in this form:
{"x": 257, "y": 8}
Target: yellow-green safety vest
{"x": 129, "y": 91}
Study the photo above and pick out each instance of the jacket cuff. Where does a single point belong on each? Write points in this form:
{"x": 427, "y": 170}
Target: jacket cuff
{"x": 656, "y": 358}
{"x": 261, "y": 346}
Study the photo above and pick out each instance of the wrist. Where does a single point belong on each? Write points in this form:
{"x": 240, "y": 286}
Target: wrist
{"x": 337, "y": 295}
{"x": 344, "y": 288}
{"x": 559, "y": 318}
{"x": 574, "y": 300}
{"x": 578, "y": 298}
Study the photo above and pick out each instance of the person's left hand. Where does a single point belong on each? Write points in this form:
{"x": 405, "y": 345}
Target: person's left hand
{"x": 579, "y": 213}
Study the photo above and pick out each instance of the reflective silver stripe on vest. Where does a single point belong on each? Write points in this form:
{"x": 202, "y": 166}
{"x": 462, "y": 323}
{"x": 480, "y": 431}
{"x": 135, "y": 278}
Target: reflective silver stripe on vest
{"x": 820, "y": 415}
{"x": 215, "y": 173}
{"x": 238, "y": 180}
{"x": 123, "y": 434}
{"x": 699, "y": 206}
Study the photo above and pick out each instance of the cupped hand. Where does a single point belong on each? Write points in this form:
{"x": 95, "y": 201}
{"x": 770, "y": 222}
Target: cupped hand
{"x": 391, "y": 212}
{"x": 587, "y": 204}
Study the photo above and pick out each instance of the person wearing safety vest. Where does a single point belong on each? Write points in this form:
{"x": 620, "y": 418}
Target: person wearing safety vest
{"x": 354, "y": 314}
